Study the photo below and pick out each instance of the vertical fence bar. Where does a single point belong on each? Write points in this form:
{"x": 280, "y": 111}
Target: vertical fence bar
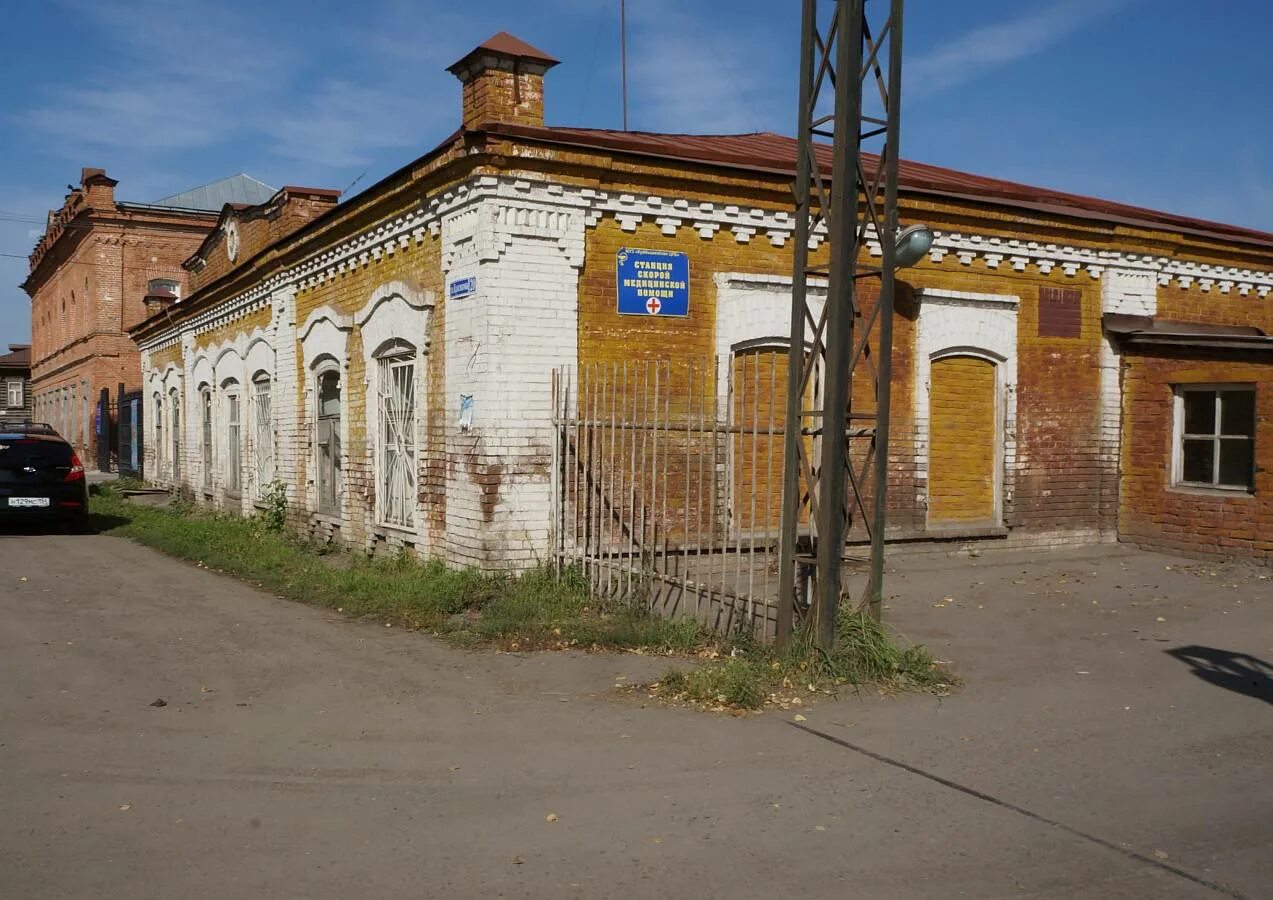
{"x": 769, "y": 483}
{"x": 576, "y": 469}
{"x": 655, "y": 561}
{"x": 643, "y": 481}
{"x": 667, "y": 456}
{"x": 713, "y": 543}
{"x": 621, "y": 495}
{"x": 607, "y": 485}
{"x": 700, "y": 451}
{"x": 554, "y": 486}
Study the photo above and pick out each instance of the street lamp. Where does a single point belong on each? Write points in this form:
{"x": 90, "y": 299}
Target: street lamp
{"x": 912, "y": 243}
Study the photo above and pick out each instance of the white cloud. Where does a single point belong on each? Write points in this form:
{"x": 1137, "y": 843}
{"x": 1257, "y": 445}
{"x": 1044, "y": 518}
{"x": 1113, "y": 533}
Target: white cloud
{"x": 342, "y": 124}
{"x": 690, "y": 76}
{"x": 192, "y": 75}
{"x": 992, "y": 46}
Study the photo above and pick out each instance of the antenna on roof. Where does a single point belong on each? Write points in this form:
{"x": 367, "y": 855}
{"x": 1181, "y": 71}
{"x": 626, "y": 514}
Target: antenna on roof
{"x": 623, "y": 59}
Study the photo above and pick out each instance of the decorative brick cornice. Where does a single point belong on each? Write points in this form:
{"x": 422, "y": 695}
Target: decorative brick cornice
{"x": 521, "y": 205}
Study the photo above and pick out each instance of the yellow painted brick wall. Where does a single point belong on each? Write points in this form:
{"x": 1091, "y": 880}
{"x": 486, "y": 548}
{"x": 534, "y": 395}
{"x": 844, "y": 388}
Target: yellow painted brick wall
{"x": 419, "y": 266}
{"x": 257, "y": 318}
{"x": 963, "y": 434}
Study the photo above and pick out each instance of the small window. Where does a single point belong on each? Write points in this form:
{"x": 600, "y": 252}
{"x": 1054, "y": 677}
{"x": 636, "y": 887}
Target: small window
{"x": 1215, "y": 446}
{"x": 15, "y": 392}
{"x": 1060, "y": 312}
{"x": 164, "y": 286}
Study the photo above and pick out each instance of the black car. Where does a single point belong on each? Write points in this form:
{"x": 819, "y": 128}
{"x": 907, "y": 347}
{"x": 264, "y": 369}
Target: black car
{"x": 41, "y": 477}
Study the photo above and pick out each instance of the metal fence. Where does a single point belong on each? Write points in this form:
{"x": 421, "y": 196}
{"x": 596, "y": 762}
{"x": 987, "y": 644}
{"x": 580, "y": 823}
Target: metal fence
{"x": 667, "y": 483}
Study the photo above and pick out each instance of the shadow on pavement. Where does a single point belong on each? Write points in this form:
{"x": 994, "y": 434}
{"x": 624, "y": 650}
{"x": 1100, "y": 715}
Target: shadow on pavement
{"x": 1238, "y": 672}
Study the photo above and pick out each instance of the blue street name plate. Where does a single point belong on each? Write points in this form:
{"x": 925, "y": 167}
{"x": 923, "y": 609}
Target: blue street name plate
{"x": 461, "y": 287}
{"x": 652, "y": 283}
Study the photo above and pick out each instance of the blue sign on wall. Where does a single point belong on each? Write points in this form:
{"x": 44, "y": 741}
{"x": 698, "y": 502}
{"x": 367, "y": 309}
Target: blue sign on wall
{"x": 653, "y": 283}
{"x": 461, "y": 287}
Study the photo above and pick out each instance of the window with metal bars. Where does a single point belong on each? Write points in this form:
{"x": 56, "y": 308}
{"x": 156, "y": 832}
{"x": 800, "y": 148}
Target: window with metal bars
{"x": 396, "y": 451}
{"x": 1215, "y": 436}
{"x": 262, "y": 435}
{"x": 205, "y": 406}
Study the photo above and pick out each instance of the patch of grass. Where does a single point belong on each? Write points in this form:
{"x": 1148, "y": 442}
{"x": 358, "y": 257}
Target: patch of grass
{"x": 866, "y": 653}
{"x": 538, "y": 609}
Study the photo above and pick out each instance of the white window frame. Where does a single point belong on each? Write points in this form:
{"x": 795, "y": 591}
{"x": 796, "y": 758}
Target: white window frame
{"x": 158, "y": 431}
{"x": 1217, "y": 436}
{"x": 232, "y": 457}
{"x": 206, "y": 435}
{"x": 174, "y": 435}
{"x": 397, "y": 439}
{"x": 261, "y": 405}
{"x": 334, "y": 508}
{"x": 10, "y": 385}
{"x": 171, "y": 285}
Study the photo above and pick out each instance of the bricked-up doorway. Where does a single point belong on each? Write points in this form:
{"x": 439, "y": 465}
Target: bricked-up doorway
{"x": 964, "y": 435}
{"x": 756, "y": 390}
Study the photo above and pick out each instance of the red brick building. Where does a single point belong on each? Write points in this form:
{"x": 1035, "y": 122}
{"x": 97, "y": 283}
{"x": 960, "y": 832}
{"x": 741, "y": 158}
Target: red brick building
{"x": 98, "y": 259}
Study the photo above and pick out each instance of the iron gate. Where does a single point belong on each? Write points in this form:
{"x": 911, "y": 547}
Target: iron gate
{"x": 667, "y": 484}
{"x": 119, "y": 429}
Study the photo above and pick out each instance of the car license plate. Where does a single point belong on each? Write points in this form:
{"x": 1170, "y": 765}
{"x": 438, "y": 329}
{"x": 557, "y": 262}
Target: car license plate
{"x": 29, "y": 501}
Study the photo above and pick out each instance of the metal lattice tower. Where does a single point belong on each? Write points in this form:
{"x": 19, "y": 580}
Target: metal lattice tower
{"x": 836, "y": 457}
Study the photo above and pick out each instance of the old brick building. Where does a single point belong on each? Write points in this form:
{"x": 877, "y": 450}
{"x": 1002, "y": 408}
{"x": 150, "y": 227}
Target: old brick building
{"x": 389, "y": 365}
{"x": 97, "y": 260}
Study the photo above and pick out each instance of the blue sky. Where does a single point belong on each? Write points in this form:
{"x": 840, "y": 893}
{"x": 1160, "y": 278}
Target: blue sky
{"x": 1153, "y": 102}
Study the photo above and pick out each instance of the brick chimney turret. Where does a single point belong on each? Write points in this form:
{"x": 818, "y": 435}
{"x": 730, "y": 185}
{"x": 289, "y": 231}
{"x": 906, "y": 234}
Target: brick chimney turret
{"x": 98, "y": 188}
{"x": 503, "y": 81}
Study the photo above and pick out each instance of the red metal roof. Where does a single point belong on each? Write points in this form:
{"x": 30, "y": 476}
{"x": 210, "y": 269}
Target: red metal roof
{"x": 509, "y": 45}
{"x": 771, "y": 152}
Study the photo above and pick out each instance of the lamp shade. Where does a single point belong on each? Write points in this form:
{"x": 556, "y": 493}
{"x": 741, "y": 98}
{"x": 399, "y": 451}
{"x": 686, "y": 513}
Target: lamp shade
{"x": 912, "y": 243}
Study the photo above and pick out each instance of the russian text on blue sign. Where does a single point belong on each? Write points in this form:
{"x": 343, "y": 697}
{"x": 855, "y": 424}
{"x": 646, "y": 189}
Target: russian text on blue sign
{"x": 652, "y": 283}
{"x": 461, "y": 287}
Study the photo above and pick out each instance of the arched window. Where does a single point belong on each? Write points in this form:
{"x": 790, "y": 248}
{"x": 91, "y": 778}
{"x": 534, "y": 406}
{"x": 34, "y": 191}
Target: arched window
{"x": 174, "y": 412}
{"x": 159, "y": 434}
{"x": 232, "y": 401}
{"x": 205, "y": 424}
{"x": 164, "y": 285}
{"x": 262, "y": 434}
{"x": 396, "y": 434}
{"x": 327, "y": 436}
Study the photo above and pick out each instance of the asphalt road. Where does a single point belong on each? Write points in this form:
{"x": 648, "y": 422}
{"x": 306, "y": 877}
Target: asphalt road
{"x": 300, "y": 755}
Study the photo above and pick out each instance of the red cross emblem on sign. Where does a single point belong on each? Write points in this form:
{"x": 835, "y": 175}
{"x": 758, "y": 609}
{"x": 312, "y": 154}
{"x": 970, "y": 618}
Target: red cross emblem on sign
{"x": 653, "y": 305}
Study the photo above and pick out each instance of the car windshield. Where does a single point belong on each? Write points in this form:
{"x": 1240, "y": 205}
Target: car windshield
{"x": 18, "y": 450}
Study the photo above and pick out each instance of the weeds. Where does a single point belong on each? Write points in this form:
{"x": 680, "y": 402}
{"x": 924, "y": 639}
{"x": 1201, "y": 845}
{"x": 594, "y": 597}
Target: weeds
{"x": 865, "y": 654}
{"x": 539, "y": 609}
{"x": 274, "y": 516}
